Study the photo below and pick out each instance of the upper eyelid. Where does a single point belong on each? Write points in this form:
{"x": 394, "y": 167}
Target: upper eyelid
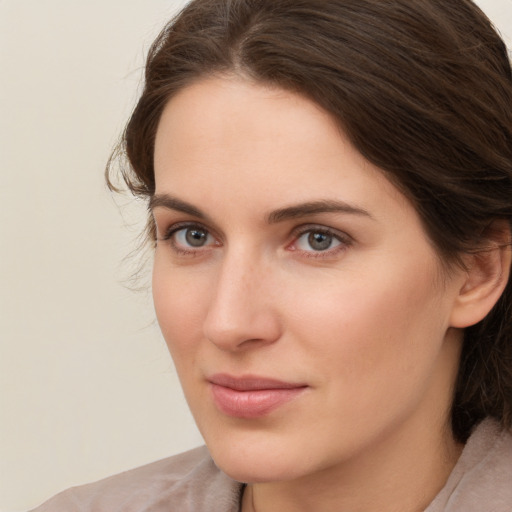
{"x": 306, "y": 228}
{"x": 295, "y": 233}
{"x": 168, "y": 217}
{"x": 182, "y": 249}
{"x": 178, "y": 226}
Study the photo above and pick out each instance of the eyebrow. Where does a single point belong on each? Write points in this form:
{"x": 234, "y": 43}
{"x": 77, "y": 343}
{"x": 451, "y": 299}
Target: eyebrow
{"x": 314, "y": 208}
{"x": 280, "y": 215}
{"x": 173, "y": 203}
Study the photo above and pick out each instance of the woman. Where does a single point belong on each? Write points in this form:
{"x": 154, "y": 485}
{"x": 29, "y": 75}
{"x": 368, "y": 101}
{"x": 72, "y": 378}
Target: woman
{"x": 329, "y": 185}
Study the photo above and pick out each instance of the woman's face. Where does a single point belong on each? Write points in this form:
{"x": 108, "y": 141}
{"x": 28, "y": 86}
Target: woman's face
{"x": 304, "y": 307}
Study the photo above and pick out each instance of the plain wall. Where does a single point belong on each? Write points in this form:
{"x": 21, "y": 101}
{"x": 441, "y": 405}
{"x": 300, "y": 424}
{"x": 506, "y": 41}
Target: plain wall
{"x": 87, "y": 388}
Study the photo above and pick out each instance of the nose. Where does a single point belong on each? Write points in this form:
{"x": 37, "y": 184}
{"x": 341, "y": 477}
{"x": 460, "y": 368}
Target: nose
{"x": 242, "y": 312}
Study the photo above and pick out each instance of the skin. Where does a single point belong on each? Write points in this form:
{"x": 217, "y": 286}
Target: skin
{"x": 366, "y": 324}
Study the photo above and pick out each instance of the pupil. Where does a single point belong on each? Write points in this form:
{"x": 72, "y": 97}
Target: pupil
{"x": 195, "y": 237}
{"x": 319, "y": 241}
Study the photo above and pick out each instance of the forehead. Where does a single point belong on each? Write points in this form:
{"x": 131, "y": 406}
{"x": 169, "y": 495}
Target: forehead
{"x": 233, "y": 114}
{"x": 232, "y": 140}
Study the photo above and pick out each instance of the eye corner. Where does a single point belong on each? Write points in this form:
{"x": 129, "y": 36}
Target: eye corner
{"x": 329, "y": 242}
{"x": 188, "y": 239}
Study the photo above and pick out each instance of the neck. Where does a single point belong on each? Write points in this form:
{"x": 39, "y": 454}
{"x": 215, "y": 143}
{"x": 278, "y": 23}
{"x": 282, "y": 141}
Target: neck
{"x": 401, "y": 473}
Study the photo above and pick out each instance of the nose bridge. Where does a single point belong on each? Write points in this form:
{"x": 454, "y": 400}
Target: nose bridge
{"x": 240, "y": 309}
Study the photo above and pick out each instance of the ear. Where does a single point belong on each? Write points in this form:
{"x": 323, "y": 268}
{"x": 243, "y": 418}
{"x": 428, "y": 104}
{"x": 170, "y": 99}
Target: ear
{"x": 486, "y": 276}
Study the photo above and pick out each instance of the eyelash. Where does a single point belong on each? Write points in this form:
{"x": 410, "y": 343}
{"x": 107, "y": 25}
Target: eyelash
{"x": 344, "y": 240}
{"x": 175, "y": 228}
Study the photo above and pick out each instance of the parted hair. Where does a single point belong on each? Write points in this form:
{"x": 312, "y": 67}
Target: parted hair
{"x": 422, "y": 88}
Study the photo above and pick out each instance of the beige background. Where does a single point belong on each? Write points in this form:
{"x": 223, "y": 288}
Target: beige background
{"x": 87, "y": 388}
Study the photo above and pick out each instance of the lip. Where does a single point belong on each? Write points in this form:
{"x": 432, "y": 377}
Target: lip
{"x": 251, "y": 397}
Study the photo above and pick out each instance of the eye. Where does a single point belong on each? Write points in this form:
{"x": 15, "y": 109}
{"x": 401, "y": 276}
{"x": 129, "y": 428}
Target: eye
{"x": 317, "y": 241}
{"x": 189, "y": 238}
{"x": 193, "y": 236}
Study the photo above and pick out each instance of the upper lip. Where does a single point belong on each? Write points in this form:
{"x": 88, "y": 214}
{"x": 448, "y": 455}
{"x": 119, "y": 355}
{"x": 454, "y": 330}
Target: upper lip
{"x": 251, "y": 382}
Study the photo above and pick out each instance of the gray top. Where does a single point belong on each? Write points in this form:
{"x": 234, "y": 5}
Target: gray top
{"x": 190, "y": 482}
{"x": 481, "y": 481}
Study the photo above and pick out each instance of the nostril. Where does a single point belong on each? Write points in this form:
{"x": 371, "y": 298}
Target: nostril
{"x": 243, "y": 329}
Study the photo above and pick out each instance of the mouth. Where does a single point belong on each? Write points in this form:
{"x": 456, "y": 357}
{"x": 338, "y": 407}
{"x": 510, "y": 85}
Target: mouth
{"x": 251, "y": 397}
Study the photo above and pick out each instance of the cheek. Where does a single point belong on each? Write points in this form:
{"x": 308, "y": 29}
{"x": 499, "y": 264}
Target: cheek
{"x": 373, "y": 329}
{"x": 180, "y": 308}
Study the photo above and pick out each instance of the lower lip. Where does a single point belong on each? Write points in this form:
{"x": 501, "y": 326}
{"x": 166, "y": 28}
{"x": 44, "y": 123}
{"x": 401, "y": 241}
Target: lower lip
{"x": 253, "y": 403}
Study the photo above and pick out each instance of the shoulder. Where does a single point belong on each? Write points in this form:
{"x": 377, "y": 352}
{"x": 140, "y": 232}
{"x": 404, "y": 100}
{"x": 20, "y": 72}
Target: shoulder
{"x": 482, "y": 478}
{"x": 189, "y": 481}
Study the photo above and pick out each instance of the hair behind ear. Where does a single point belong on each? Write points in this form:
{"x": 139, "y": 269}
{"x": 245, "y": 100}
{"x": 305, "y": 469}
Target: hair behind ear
{"x": 484, "y": 382}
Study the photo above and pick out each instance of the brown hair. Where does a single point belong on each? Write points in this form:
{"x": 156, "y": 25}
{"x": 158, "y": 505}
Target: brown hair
{"x": 423, "y": 89}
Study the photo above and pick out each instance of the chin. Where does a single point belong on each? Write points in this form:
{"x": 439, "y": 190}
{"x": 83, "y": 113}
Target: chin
{"x": 255, "y": 471}
{"x": 257, "y": 462}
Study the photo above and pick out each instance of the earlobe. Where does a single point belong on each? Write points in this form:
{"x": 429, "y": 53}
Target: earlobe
{"x": 486, "y": 276}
